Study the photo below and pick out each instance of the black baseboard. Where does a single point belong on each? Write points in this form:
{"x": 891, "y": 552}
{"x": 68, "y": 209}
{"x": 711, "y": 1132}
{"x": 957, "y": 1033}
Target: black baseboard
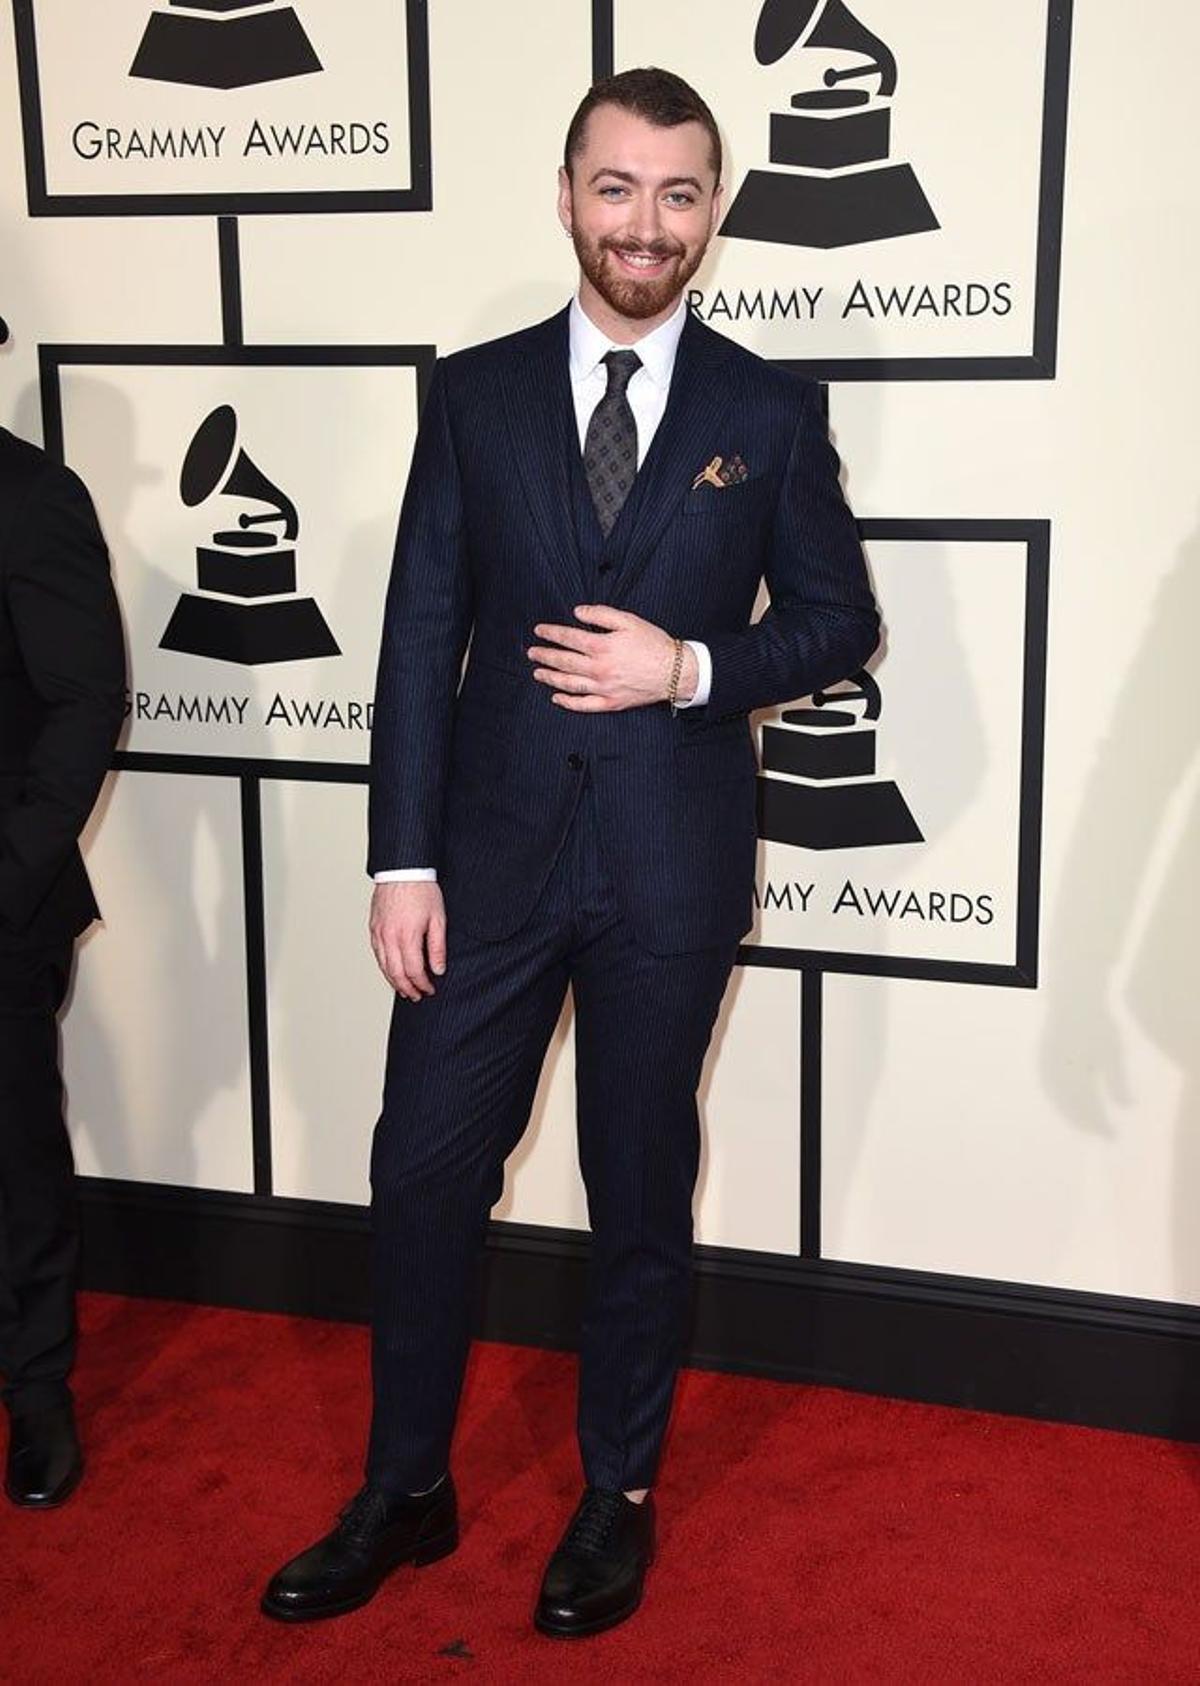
{"x": 1037, "y": 1352}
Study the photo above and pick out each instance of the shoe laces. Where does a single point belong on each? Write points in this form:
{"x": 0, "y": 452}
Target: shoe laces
{"x": 361, "y": 1517}
{"x": 594, "y": 1522}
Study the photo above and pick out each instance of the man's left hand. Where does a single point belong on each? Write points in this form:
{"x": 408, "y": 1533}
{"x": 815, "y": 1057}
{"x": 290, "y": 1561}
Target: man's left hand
{"x": 625, "y": 664}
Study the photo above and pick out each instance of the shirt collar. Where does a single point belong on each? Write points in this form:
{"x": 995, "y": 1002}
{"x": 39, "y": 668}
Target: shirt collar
{"x": 657, "y": 349}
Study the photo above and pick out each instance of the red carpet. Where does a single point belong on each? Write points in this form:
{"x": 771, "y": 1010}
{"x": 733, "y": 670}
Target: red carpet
{"x": 806, "y": 1535}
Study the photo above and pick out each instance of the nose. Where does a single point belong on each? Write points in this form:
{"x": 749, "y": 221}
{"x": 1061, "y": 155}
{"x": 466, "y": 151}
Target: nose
{"x": 646, "y": 225}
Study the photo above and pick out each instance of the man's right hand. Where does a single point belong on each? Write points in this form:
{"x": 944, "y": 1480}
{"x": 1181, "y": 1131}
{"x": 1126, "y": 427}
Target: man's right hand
{"x": 408, "y": 935}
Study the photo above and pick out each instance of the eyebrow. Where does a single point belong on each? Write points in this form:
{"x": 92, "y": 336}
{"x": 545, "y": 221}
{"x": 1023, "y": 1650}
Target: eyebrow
{"x": 626, "y": 175}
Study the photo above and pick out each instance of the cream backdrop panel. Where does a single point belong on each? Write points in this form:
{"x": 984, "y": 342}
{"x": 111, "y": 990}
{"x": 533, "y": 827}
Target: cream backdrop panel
{"x": 491, "y": 257}
{"x": 337, "y": 440}
{"x": 329, "y": 1013}
{"x": 965, "y": 121}
{"x": 154, "y": 1037}
{"x": 328, "y": 1005}
{"x": 339, "y": 123}
{"x": 932, "y": 874}
{"x": 932, "y": 1162}
{"x": 79, "y": 279}
{"x": 748, "y": 1191}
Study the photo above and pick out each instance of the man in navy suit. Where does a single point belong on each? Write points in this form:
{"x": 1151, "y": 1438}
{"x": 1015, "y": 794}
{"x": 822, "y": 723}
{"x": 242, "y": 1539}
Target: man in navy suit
{"x": 592, "y": 507}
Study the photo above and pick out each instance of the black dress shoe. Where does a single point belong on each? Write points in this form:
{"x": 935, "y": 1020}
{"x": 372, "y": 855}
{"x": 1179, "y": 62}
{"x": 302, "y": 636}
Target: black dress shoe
{"x": 373, "y": 1536}
{"x": 44, "y": 1458}
{"x": 594, "y": 1580}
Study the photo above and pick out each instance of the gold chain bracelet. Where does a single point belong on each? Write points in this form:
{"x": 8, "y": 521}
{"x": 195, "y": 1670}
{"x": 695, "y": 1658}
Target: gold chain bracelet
{"x": 676, "y": 674}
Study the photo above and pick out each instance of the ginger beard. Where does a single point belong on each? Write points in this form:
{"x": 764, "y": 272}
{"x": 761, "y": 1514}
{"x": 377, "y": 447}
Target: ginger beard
{"x": 627, "y": 294}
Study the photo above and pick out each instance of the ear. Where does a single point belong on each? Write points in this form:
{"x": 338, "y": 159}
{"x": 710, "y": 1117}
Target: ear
{"x": 566, "y": 208}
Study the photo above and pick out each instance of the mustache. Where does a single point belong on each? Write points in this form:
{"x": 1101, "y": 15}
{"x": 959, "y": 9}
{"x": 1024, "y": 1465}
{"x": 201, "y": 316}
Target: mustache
{"x": 656, "y": 249}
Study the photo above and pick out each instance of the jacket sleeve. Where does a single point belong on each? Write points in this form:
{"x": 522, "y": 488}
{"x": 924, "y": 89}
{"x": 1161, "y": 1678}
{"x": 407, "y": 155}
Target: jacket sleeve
{"x": 68, "y": 631}
{"x": 822, "y": 623}
{"x": 427, "y": 621}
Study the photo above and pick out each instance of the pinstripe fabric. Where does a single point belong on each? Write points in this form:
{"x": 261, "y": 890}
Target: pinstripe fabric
{"x": 462, "y": 1069}
{"x": 482, "y": 784}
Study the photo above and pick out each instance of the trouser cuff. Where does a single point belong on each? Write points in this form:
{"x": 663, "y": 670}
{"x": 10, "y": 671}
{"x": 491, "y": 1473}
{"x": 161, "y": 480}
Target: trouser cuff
{"x": 26, "y": 1399}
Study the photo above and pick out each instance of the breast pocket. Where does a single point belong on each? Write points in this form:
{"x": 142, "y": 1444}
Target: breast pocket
{"x": 744, "y": 499}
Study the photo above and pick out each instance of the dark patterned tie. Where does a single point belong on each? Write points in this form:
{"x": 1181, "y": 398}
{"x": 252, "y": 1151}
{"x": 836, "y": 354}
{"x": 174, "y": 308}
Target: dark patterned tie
{"x": 610, "y": 452}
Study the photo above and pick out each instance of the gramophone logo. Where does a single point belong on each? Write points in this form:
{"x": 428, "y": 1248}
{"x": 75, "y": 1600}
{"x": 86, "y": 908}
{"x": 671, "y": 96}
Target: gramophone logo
{"x": 248, "y": 610}
{"x": 224, "y": 44}
{"x": 830, "y": 796}
{"x": 834, "y": 184}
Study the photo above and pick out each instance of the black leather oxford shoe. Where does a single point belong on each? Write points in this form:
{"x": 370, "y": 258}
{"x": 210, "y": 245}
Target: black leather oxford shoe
{"x": 594, "y": 1580}
{"x": 44, "y": 1458}
{"x": 373, "y": 1536}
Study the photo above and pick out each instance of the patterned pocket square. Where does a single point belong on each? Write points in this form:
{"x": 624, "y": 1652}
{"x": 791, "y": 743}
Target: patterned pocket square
{"x": 722, "y": 472}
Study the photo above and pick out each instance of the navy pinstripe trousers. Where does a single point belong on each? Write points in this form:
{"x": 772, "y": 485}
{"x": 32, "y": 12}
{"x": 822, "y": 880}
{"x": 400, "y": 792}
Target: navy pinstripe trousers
{"x": 462, "y": 1068}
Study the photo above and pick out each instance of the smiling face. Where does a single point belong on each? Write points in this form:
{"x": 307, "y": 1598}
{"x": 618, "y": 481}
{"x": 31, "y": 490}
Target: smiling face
{"x": 640, "y": 204}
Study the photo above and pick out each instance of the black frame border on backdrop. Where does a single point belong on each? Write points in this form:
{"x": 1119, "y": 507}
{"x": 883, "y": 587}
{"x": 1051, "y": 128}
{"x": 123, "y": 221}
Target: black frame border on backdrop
{"x": 1022, "y": 973}
{"x": 53, "y": 358}
{"x": 1041, "y": 362}
{"x": 418, "y": 196}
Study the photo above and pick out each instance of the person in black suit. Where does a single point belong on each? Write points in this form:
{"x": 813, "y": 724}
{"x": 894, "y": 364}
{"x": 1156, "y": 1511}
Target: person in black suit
{"x": 62, "y": 700}
{"x": 592, "y": 507}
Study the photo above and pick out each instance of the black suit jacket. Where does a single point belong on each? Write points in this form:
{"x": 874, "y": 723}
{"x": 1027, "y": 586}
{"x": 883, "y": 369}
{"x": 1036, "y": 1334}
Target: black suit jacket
{"x": 62, "y": 693}
{"x": 480, "y": 778}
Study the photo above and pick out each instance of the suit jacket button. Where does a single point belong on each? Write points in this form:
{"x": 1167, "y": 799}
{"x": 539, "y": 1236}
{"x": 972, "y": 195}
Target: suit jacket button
{"x": 575, "y": 762}
{"x": 606, "y": 567}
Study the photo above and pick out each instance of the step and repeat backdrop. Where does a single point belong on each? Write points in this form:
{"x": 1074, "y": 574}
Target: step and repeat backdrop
{"x": 236, "y": 235}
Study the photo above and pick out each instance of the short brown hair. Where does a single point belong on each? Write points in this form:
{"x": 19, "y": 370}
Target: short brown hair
{"x": 658, "y": 96}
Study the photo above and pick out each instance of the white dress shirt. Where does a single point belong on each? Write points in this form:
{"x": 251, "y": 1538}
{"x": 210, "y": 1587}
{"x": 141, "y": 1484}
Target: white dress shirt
{"x": 649, "y": 386}
{"x": 648, "y": 391}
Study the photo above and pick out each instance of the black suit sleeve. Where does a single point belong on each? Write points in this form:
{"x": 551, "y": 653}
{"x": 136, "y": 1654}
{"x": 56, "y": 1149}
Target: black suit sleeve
{"x": 822, "y": 623}
{"x": 68, "y": 631}
{"x": 427, "y": 622}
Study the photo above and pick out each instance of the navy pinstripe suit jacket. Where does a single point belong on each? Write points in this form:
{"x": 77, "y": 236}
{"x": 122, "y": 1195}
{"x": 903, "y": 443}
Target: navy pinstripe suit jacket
{"x": 479, "y": 773}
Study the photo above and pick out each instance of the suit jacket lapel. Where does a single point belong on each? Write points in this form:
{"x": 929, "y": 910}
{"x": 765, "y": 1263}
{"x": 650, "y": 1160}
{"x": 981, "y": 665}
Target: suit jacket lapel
{"x": 682, "y": 444}
{"x": 541, "y": 418}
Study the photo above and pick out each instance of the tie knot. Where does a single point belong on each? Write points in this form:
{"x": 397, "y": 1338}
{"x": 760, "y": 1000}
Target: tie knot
{"x": 622, "y": 366}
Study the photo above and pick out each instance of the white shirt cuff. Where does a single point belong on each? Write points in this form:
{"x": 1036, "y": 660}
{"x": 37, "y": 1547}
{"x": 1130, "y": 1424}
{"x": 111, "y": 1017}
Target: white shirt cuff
{"x": 704, "y": 681}
{"x": 408, "y": 875}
